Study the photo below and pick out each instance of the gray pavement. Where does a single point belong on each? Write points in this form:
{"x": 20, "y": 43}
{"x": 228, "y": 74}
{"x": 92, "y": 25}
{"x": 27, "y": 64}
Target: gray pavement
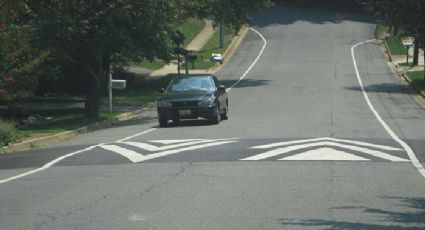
{"x": 301, "y": 150}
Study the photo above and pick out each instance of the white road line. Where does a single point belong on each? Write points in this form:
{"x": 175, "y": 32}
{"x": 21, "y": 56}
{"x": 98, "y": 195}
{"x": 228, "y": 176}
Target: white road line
{"x": 279, "y": 144}
{"x": 127, "y": 153}
{"x": 55, "y": 161}
{"x": 279, "y": 151}
{"x": 47, "y": 165}
{"x": 253, "y": 63}
{"x": 403, "y": 144}
{"x": 169, "y": 152}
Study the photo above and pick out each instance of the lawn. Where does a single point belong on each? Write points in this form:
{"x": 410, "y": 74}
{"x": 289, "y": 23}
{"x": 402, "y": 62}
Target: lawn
{"x": 395, "y": 45}
{"x": 190, "y": 29}
{"x": 203, "y": 61}
{"x": 417, "y": 78}
{"x": 61, "y": 123}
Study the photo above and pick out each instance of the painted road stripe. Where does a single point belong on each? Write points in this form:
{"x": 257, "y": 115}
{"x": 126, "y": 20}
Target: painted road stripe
{"x": 127, "y": 153}
{"x": 169, "y": 152}
{"x": 279, "y": 144}
{"x": 150, "y": 147}
{"x": 324, "y": 154}
{"x": 167, "y": 142}
{"x": 405, "y": 146}
{"x": 279, "y": 151}
{"x": 253, "y": 63}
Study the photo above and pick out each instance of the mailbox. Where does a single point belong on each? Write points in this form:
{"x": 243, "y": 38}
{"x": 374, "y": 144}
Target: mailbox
{"x": 118, "y": 84}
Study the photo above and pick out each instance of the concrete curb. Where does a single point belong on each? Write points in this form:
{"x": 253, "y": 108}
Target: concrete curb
{"x": 411, "y": 85}
{"x": 231, "y": 49}
{"x": 388, "y": 51}
{"x": 55, "y": 138}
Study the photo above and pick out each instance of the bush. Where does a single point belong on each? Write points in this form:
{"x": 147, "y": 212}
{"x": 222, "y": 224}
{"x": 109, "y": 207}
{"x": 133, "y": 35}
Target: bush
{"x": 8, "y": 133}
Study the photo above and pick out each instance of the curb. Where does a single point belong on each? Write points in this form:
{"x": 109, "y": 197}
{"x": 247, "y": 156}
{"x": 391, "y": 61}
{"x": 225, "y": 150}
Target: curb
{"x": 388, "y": 51}
{"x": 55, "y": 138}
{"x": 411, "y": 85}
{"x": 231, "y": 49}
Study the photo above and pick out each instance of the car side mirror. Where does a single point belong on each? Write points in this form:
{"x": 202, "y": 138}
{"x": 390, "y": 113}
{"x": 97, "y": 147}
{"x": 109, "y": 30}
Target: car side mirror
{"x": 222, "y": 88}
{"x": 162, "y": 90}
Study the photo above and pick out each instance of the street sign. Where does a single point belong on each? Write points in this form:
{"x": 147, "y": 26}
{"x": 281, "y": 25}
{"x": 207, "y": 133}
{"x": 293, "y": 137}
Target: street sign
{"x": 407, "y": 41}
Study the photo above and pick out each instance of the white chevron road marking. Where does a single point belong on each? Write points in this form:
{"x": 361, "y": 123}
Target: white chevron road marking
{"x": 150, "y": 147}
{"x": 278, "y": 144}
{"x": 135, "y": 157}
{"x": 324, "y": 154}
{"x": 279, "y": 151}
{"x": 127, "y": 153}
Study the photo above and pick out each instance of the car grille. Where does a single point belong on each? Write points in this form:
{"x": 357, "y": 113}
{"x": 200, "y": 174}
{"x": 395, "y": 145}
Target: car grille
{"x": 185, "y": 104}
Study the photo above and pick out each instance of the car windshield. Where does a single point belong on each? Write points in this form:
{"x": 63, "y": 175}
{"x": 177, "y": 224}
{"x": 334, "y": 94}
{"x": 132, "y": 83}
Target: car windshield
{"x": 188, "y": 84}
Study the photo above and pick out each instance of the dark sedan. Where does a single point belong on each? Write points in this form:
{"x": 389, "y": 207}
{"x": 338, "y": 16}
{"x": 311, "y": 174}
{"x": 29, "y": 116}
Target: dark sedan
{"x": 191, "y": 97}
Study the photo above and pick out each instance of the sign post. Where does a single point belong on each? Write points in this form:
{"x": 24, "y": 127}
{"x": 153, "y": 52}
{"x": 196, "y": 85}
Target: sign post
{"x": 407, "y": 42}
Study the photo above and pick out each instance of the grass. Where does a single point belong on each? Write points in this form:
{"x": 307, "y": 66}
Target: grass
{"x": 142, "y": 91}
{"x": 417, "y": 78}
{"x": 203, "y": 61}
{"x": 405, "y": 64}
{"x": 395, "y": 45}
{"x": 61, "y": 123}
{"x": 190, "y": 29}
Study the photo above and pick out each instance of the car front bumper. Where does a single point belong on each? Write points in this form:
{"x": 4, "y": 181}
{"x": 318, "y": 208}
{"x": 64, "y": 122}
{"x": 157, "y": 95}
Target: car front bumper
{"x": 182, "y": 113}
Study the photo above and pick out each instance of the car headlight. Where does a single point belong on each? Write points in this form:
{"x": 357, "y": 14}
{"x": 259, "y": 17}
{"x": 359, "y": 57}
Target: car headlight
{"x": 208, "y": 102}
{"x": 163, "y": 104}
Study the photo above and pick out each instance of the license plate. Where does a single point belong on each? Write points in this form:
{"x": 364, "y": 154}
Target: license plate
{"x": 185, "y": 112}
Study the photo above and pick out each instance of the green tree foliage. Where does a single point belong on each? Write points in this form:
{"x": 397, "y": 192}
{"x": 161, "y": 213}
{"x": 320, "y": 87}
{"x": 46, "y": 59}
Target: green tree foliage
{"x": 19, "y": 61}
{"x": 407, "y": 16}
{"x": 94, "y": 33}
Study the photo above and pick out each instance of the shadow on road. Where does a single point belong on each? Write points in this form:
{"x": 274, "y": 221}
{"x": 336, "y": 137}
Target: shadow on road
{"x": 411, "y": 219}
{"x": 245, "y": 83}
{"x": 383, "y": 88}
{"x": 287, "y": 14}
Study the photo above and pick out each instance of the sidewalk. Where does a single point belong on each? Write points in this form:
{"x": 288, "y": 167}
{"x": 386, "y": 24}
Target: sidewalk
{"x": 196, "y": 44}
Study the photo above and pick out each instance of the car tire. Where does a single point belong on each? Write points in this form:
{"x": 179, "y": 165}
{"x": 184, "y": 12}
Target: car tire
{"x": 215, "y": 119}
{"x": 225, "y": 114}
{"x": 162, "y": 122}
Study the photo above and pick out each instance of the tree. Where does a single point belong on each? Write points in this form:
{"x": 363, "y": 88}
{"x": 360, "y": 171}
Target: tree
{"x": 19, "y": 61}
{"x": 407, "y": 16}
{"x": 232, "y": 13}
{"x": 95, "y": 33}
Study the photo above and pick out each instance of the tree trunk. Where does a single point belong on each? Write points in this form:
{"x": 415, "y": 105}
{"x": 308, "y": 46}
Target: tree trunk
{"x": 91, "y": 68}
{"x": 416, "y": 52}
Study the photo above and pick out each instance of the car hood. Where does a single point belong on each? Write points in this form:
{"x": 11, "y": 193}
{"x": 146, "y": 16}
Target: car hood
{"x": 186, "y": 96}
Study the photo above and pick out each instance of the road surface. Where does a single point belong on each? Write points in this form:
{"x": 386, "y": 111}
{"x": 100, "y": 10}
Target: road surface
{"x": 302, "y": 148}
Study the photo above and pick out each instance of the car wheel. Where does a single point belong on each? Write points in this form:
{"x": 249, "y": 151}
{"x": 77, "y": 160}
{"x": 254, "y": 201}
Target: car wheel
{"x": 162, "y": 122}
{"x": 216, "y": 118}
{"x": 225, "y": 115}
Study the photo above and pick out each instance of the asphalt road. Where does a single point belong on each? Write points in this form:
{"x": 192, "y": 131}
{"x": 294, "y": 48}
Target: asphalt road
{"x": 302, "y": 148}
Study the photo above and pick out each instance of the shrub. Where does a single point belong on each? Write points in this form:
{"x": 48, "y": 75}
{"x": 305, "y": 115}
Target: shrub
{"x": 8, "y": 132}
